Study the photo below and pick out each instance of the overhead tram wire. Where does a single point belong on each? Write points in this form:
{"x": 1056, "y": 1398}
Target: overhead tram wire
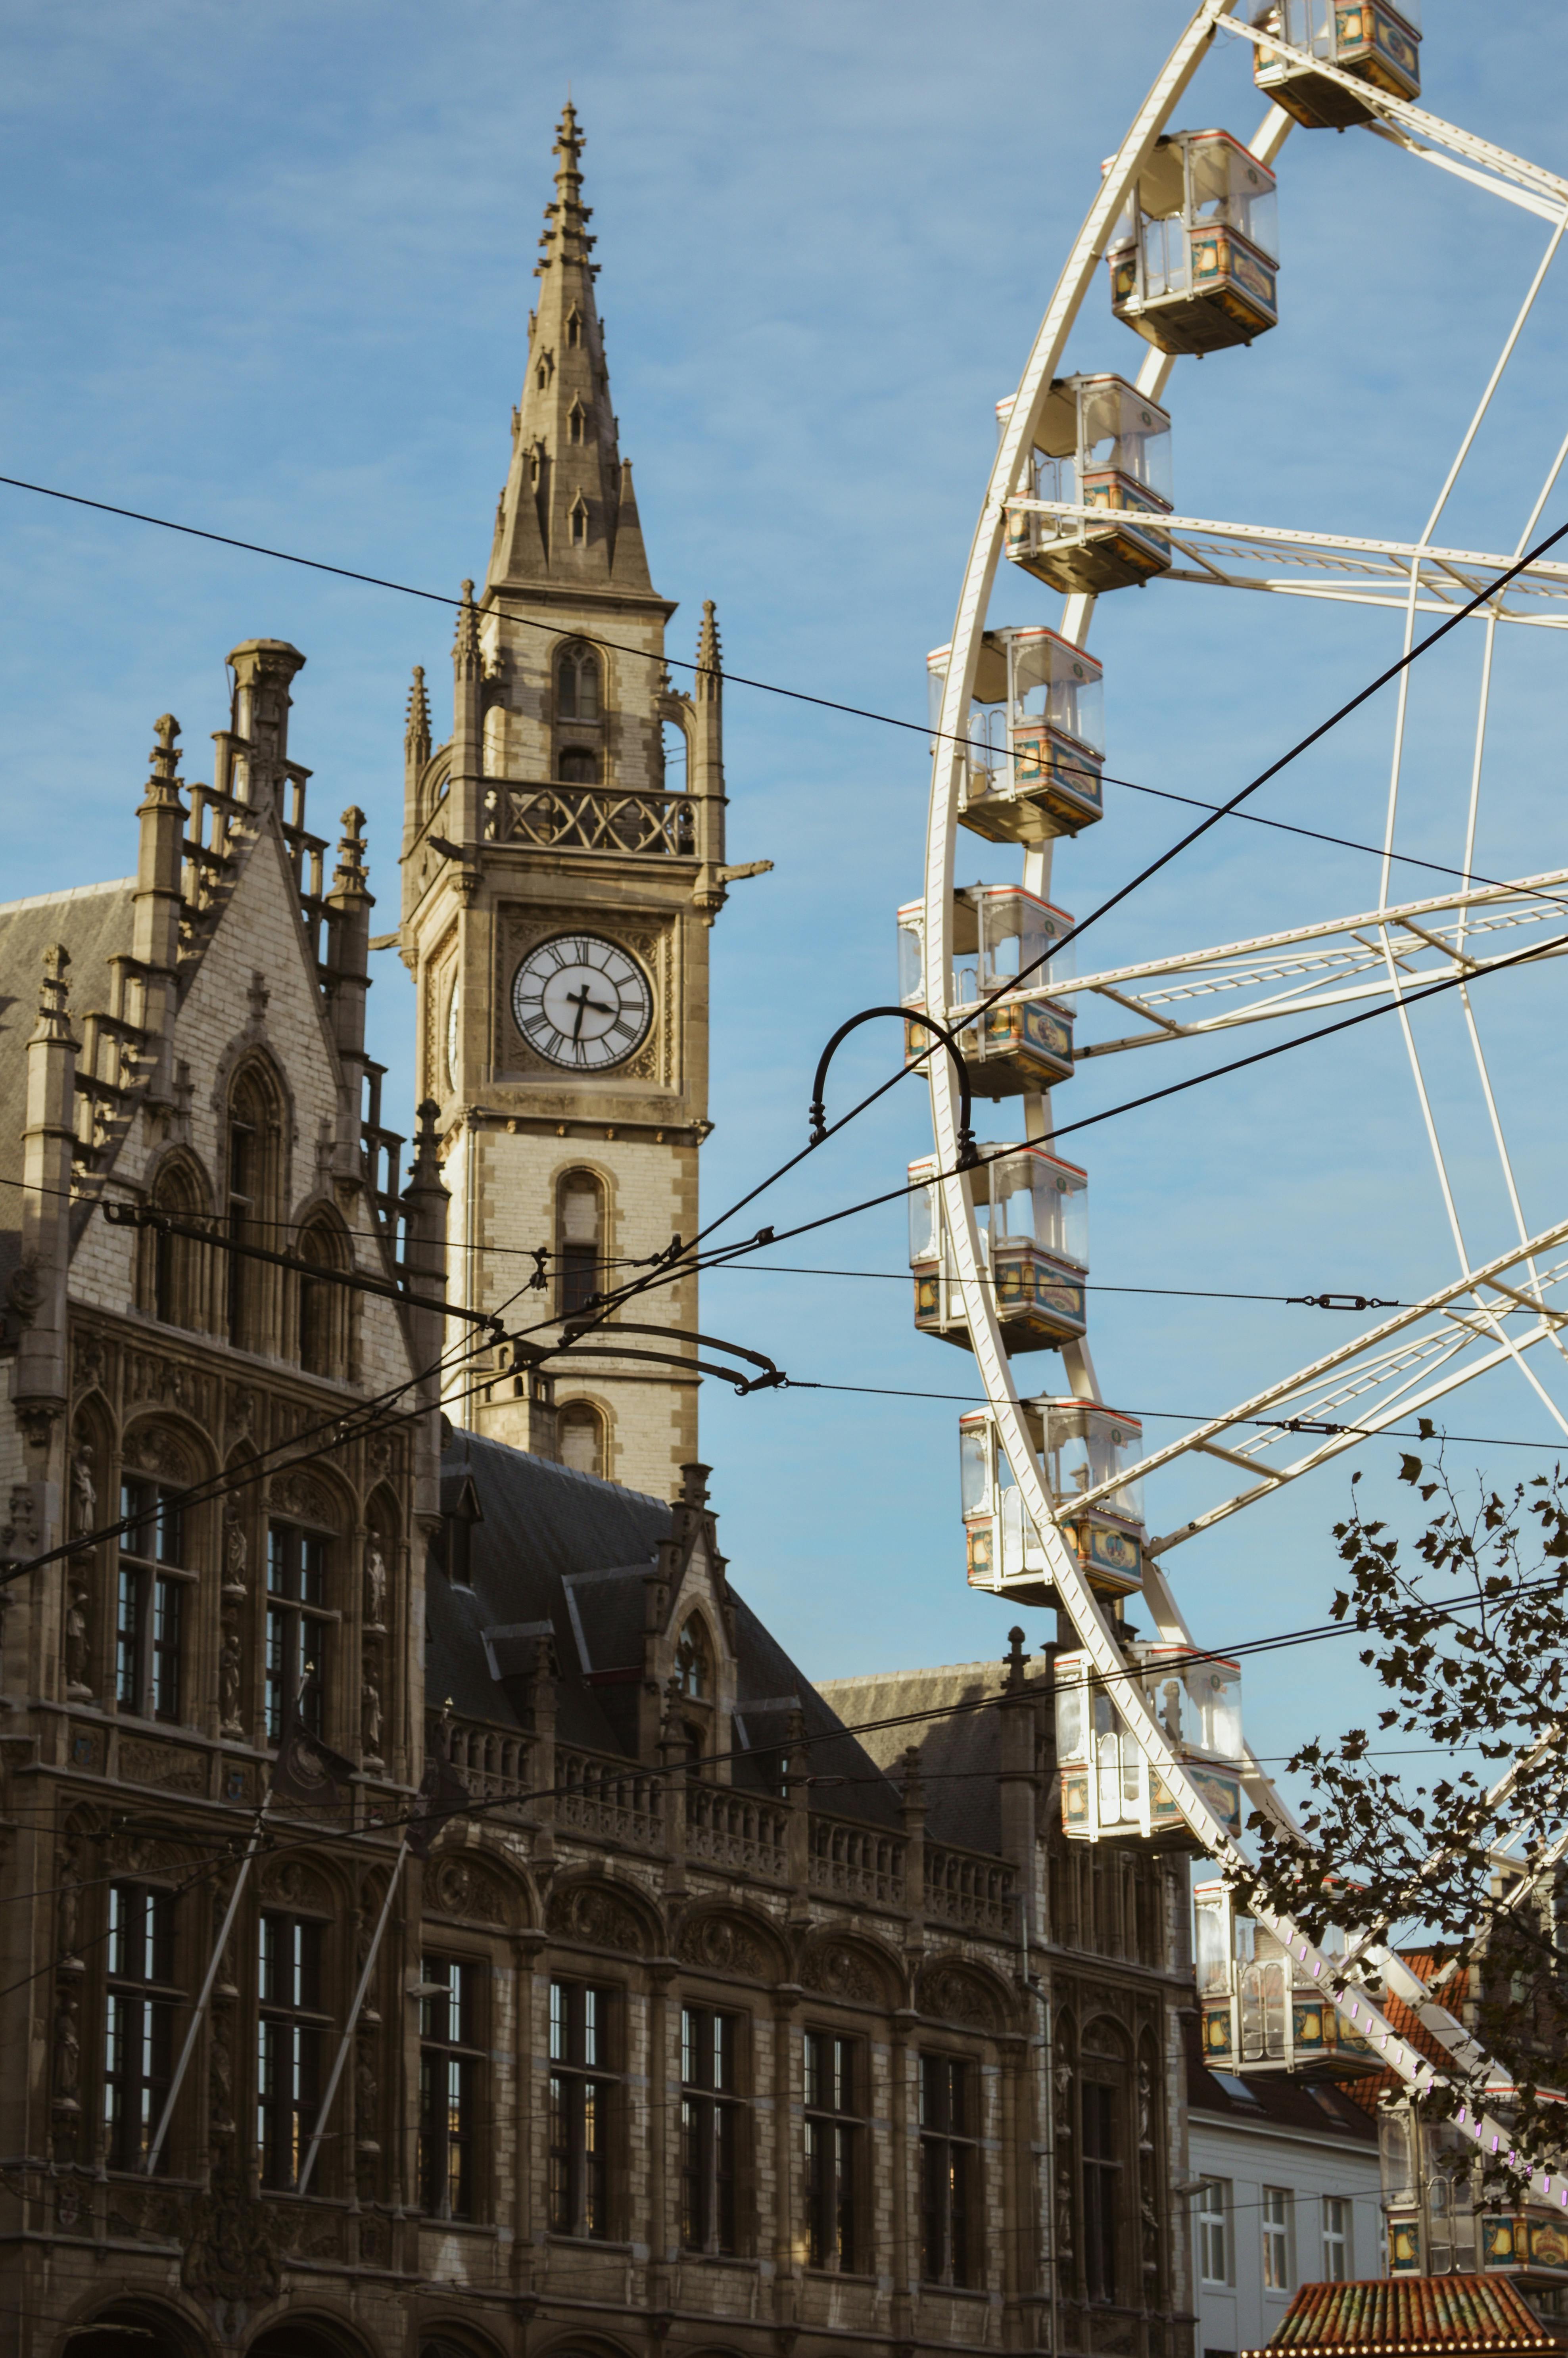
{"x": 800, "y": 694}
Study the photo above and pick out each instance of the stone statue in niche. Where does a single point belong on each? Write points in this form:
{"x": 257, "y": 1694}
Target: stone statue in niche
{"x": 376, "y": 1585}
{"x": 83, "y": 1489}
{"x": 70, "y": 1898}
{"x": 76, "y": 1605}
{"x": 234, "y": 1550}
{"x": 370, "y": 1720}
{"x": 230, "y": 1664}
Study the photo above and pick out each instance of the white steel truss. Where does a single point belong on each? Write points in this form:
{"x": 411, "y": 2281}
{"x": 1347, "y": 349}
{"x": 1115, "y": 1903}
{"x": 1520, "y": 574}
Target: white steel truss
{"x": 1339, "y": 567}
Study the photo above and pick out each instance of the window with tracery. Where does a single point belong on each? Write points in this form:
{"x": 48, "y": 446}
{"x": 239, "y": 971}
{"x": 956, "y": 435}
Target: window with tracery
{"x": 324, "y": 1305}
{"x": 576, "y": 683}
{"x": 580, "y": 1241}
{"x": 694, "y": 1658}
{"x": 171, "y": 1280}
{"x": 251, "y": 1190}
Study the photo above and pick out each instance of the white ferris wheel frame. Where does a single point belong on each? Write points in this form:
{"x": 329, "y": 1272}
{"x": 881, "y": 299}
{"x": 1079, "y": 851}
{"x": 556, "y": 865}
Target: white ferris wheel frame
{"x": 1395, "y": 1375}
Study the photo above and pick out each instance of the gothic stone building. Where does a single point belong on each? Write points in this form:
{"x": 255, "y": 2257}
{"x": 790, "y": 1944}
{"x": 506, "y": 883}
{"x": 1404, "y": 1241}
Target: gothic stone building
{"x": 709, "y": 2026}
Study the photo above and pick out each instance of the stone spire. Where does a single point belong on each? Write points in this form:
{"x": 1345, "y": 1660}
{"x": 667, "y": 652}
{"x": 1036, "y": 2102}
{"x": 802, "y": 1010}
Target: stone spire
{"x": 416, "y": 735}
{"x": 567, "y": 516}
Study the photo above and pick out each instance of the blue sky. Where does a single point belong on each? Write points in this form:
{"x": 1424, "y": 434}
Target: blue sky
{"x": 269, "y": 272}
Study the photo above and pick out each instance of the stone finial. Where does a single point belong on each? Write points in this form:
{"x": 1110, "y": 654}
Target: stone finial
{"x": 416, "y": 735}
{"x": 465, "y": 645}
{"x": 426, "y": 1144}
{"x": 54, "y": 990}
{"x": 913, "y": 1782}
{"x": 164, "y": 759}
{"x": 351, "y": 867}
{"x": 1017, "y": 1662}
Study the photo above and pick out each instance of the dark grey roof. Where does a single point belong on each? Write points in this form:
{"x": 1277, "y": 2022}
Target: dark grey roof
{"x": 94, "y": 923}
{"x": 960, "y": 1753}
{"x": 560, "y": 1551}
{"x": 1273, "y": 2099}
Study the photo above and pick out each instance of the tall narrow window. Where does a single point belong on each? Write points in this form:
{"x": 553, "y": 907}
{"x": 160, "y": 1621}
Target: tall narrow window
{"x": 323, "y": 1303}
{"x": 834, "y": 2103}
{"x": 580, "y": 1241}
{"x": 711, "y": 2128}
{"x": 1209, "y": 2211}
{"x": 1102, "y": 2189}
{"x": 579, "y": 1436}
{"x": 578, "y": 766}
{"x": 290, "y": 2038}
{"x": 139, "y": 2020}
{"x": 170, "y": 1284}
{"x": 576, "y": 682}
{"x": 251, "y": 1214}
{"x": 582, "y": 2098}
{"x": 1276, "y": 2239}
{"x": 694, "y": 1658}
{"x": 451, "y": 2062}
{"x": 574, "y": 327}
{"x": 577, "y": 418}
{"x": 946, "y": 2169}
{"x": 1335, "y": 2239}
{"x": 296, "y": 1626}
{"x": 579, "y": 512}
{"x": 149, "y": 1602}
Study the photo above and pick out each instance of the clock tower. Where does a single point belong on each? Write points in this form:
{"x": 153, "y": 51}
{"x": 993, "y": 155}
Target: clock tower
{"x": 562, "y": 866}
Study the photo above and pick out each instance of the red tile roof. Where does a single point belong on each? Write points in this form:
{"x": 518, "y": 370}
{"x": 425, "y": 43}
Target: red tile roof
{"x": 1410, "y": 2315}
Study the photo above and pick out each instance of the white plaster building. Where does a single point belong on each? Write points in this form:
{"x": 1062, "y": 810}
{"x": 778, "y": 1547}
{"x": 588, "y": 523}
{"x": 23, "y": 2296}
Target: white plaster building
{"x": 1284, "y": 2191}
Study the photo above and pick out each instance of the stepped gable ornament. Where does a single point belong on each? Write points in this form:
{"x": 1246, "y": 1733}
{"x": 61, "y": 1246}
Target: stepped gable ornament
{"x": 722, "y": 1946}
{"x": 597, "y": 1916}
{"x": 950, "y": 1993}
{"x": 840, "y": 1971}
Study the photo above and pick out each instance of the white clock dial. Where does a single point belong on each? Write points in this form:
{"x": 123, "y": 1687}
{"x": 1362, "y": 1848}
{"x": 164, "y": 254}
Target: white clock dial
{"x": 581, "y": 1002}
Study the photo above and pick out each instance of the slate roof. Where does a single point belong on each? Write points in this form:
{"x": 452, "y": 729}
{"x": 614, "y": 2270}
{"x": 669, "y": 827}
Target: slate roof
{"x": 94, "y": 923}
{"x": 960, "y": 1755}
{"x": 1275, "y": 2099}
{"x": 562, "y": 1551}
{"x": 1408, "y": 2315}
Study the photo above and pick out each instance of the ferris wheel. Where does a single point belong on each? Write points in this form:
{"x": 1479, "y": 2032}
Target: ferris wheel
{"x": 1180, "y": 241}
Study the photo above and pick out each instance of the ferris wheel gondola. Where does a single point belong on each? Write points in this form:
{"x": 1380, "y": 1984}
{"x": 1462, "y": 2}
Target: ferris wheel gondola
{"x": 1080, "y": 496}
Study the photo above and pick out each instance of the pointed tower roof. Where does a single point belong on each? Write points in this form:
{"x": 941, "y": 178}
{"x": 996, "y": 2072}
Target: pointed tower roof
{"x": 568, "y": 518}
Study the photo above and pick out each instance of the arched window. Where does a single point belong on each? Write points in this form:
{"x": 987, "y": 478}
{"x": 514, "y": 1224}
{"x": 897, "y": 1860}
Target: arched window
{"x": 171, "y": 1278}
{"x": 574, "y": 327}
{"x": 694, "y": 1658}
{"x": 577, "y": 423}
{"x": 252, "y": 1138}
{"x": 578, "y": 766}
{"x": 576, "y": 684}
{"x": 579, "y": 1239}
{"x": 324, "y": 1308}
{"x": 580, "y": 1431}
{"x": 579, "y": 512}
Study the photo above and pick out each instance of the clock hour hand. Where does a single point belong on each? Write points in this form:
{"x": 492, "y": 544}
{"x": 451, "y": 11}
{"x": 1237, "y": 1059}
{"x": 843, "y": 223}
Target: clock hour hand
{"x": 582, "y": 1002}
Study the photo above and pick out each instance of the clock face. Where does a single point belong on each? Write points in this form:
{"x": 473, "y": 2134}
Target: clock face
{"x": 581, "y": 1002}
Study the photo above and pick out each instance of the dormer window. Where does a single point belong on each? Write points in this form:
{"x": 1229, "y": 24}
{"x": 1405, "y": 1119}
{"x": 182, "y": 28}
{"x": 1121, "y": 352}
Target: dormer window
{"x": 574, "y": 330}
{"x": 542, "y": 374}
{"x": 693, "y": 1660}
{"x": 579, "y": 522}
{"x": 577, "y": 420}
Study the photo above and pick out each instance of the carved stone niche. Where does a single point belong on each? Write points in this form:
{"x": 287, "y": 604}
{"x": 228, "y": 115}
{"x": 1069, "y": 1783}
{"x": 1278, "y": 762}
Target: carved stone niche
{"x": 157, "y": 1449}
{"x": 300, "y": 1494}
{"x": 838, "y": 1970}
{"x": 597, "y": 1917}
{"x": 719, "y": 1944}
{"x": 459, "y": 1886}
{"x": 297, "y": 1884}
{"x": 949, "y": 1994}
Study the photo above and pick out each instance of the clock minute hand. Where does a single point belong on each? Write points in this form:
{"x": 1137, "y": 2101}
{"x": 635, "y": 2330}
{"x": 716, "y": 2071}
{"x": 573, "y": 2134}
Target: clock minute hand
{"x": 582, "y": 1002}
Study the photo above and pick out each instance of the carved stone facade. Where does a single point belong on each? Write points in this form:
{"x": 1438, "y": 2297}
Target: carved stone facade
{"x": 397, "y": 1807}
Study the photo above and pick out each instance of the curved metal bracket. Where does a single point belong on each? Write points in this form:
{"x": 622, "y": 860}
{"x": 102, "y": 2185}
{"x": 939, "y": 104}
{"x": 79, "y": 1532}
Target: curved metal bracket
{"x": 968, "y": 1153}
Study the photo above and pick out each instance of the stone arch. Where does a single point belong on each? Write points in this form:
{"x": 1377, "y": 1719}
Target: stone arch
{"x": 115, "y": 2329}
{"x": 851, "y": 1969}
{"x": 435, "y": 783}
{"x": 174, "y": 1273}
{"x": 324, "y": 1322}
{"x": 572, "y": 2345}
{"x": 732, "y": 1942}
{"x": 956, "y": 1990}
{"x": 471, "y": 1882}
{"x": 601, "y": 1911}
{"x": 309, "y": 2333}
{"x": 441, "y": 2337}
